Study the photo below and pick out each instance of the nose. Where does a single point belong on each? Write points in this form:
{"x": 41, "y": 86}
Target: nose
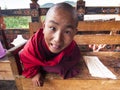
{"x": 58, "y": 37}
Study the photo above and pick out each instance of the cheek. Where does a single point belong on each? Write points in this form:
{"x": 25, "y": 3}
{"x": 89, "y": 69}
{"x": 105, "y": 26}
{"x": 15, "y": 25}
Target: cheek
{"x": 47, "y": 36}
{"x": 68, "y": 40}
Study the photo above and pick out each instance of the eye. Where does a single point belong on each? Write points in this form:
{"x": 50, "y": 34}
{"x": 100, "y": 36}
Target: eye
{"x": 69, "y": 31}
{"x": 52, "y": 28}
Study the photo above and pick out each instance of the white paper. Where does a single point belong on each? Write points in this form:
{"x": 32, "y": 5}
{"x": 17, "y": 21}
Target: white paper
{"x": 19, "y": 40}
{"x": 97, "y": 69}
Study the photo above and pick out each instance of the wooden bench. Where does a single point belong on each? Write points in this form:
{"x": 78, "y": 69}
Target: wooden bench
{"x": 84, "y": 81}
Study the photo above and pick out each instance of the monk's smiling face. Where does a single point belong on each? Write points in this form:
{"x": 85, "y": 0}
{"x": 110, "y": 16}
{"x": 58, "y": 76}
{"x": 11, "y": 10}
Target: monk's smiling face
{"x": 59, "y": 29}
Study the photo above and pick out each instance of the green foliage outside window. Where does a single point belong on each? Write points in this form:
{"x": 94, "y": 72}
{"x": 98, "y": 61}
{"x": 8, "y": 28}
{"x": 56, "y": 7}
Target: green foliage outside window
{"x": 17, "y": 22}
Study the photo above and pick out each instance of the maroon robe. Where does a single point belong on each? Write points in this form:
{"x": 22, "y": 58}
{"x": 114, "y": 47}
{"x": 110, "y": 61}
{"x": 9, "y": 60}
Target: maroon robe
{"x": 36, "y": 56}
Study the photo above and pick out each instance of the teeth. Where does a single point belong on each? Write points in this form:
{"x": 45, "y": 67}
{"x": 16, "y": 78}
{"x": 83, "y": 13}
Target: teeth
{"x": 55, "y": 46}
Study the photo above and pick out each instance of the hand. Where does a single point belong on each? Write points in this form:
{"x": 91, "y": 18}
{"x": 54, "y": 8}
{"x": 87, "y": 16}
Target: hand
{"x": 38, "y": 80}
{"x": 96, "y": 48}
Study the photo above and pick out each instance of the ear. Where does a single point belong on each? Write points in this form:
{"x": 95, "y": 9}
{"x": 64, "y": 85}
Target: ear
{"x": 76, "y": 31}
{"x": 43, "y": 25}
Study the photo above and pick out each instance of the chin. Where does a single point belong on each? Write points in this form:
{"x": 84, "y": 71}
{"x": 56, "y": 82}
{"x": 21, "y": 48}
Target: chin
{"x": 55, "y": 51}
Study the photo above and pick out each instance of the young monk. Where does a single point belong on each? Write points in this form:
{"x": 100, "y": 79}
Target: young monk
{"x": 52, "y": 49}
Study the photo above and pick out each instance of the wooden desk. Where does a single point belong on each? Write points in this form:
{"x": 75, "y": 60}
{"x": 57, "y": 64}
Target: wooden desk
{"x": 5, "y": 69}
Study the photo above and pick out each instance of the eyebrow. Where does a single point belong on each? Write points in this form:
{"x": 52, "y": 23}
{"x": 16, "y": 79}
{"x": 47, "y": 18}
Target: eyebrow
{"x": 70, "y": 26}
{"x": 51, "y": 21}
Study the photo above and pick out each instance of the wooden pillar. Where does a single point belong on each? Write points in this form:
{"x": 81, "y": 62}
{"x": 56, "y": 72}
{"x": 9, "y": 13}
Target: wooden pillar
{"x": 35, "y": 12}
{"x": 2, "y": 31}
{"x": 2, "y": 24}
{"x": 80, "y": 9}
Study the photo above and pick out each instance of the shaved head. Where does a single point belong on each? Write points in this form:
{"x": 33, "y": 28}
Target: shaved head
{"x": 65, "y": 7}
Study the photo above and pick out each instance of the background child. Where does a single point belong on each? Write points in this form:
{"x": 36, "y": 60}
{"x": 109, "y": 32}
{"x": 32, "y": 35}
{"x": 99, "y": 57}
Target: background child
{"x": 52, "y": 49}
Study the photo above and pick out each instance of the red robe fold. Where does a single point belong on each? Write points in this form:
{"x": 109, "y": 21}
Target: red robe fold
{"x": 36, "y": 56}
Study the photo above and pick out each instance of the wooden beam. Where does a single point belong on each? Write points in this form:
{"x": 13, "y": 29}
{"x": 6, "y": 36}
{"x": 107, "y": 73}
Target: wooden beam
{"x": 97, "y": 39}
{"x": 73, "y": 84}
{"x": 98, "y": 26}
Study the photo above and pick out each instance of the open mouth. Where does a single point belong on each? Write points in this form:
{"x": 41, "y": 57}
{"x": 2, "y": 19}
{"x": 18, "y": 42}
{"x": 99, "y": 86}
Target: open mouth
{"x": 55, "y": 46}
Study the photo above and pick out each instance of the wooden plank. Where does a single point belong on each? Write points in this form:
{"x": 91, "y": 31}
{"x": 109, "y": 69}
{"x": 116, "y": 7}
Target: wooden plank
{"x": 18, "y": 81}
{"x": 23, "y": 12}
{"x": 19, "y": 12}
{"x": 97, "y": 39}
{"x": 5, "y": 69}
{"x": 102, "y": 53}
{"x": 98, "y": 26}
{"x": 103, "y": 10}
{"x": 13, "y": 65}
{"x": 73, "y": 84}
